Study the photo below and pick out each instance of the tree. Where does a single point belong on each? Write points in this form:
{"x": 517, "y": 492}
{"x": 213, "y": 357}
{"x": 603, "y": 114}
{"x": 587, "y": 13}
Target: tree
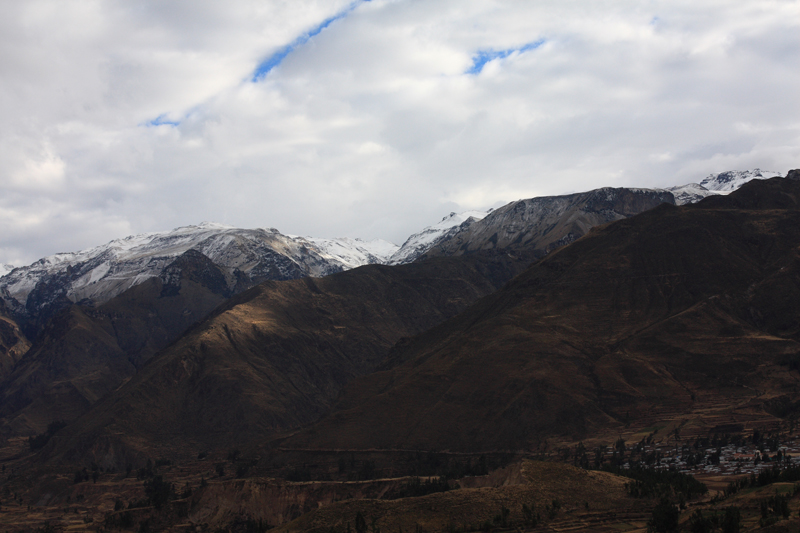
{"x": 361, "y": 523}
{"x": 530, "y": 517}
{"x": 158, "y": 491}
{"x": 731, "y": 520}
{"x": 665, "y": 517}
{"x": 699, "y": 523}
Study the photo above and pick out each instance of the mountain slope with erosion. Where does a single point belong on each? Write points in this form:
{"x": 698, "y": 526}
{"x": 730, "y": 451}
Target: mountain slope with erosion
{"x": 674, "y": 312}
{"x": 273, "y": 358}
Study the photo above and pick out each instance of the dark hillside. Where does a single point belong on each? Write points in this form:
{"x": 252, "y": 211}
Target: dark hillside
{"x": 273, "y": 358}
{"x": 13, "y": 343}
{"x": 84, "y": 353}
{"x": 676, "y": 311}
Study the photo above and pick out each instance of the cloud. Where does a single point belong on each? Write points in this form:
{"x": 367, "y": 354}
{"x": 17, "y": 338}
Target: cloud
{"x": 382, "y": 116}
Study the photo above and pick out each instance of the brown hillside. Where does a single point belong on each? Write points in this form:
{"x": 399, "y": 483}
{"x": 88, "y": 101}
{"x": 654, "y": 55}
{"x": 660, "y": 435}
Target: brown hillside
{"x": 273, "y": 358}
{"x": 84, "y": 353}
{"x": 672, "y": 312}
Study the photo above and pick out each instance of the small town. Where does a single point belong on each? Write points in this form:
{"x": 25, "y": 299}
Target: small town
{"x": 728, "y": 456}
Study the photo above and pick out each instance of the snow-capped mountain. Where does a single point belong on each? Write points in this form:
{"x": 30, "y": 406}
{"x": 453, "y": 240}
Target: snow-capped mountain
{"x": 690, "y": 193}
{"x": 726, "y": 182}
{"x": 100, "y": 273}
{"x": 539, "y": 225}
{"x": 419, "y": 243}
{"x": 249, "y": 256}
{"x": 355, "y": 252}
{"x": 722, "y": 183}
{"x": 544, "y": 223}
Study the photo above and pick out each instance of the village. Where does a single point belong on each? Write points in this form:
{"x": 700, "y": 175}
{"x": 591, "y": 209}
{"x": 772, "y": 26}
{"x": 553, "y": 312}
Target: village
{"x": 716, "y": 456}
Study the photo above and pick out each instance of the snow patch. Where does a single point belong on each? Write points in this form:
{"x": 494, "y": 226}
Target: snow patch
{"x": 419, "y": 243}
{"x": 726, "y": 182}
{"x": 354, "y": 252}
{"x": 714, "y": 184}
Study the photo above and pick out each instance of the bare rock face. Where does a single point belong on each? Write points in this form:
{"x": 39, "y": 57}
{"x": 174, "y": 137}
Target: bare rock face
{"x": 540, "y": 225}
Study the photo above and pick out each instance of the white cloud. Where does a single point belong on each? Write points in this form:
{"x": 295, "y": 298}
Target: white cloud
{"x": 372, "y": 127}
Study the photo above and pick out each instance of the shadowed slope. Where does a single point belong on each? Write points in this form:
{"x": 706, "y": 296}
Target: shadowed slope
{"x": 664, "y": 313}
{"x": 273, "y": 358}
{"x": 13, "y": 343}
{"x": 84, "y": 353}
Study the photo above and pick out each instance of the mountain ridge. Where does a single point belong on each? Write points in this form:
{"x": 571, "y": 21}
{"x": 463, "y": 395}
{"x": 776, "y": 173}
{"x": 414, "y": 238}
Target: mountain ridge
{"x": 34, "y": 293}
{"x": 218, "y": 261}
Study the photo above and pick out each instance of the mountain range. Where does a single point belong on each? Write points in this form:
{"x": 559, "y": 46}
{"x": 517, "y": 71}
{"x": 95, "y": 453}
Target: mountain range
{"x": 36, "y": 292}
{"x": 549, "y": 320}
{"x": 678, "y": 312}
{"x": 96, "y": 316}
{"x": 624, "y": 326}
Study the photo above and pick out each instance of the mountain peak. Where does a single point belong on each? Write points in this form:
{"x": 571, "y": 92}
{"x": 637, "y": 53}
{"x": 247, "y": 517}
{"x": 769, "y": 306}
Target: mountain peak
{"x": 247, "y": 256}
{"x": 419, "y": 243}
{"x": 731, "y": 180}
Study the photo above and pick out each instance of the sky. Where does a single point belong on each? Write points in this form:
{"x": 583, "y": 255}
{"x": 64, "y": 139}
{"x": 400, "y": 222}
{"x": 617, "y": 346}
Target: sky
{"x": 372, "y": 119}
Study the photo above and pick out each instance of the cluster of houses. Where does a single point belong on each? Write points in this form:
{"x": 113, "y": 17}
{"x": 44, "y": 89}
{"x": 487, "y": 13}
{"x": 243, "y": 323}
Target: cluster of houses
{"x": 731, "y": 459}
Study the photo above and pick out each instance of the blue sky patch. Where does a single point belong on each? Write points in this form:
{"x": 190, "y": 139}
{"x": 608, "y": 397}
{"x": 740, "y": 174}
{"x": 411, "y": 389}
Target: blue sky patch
{"x": 275, "y": 59}
{"x": 162, "y": 120}
{"x": 484, "y": 56}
